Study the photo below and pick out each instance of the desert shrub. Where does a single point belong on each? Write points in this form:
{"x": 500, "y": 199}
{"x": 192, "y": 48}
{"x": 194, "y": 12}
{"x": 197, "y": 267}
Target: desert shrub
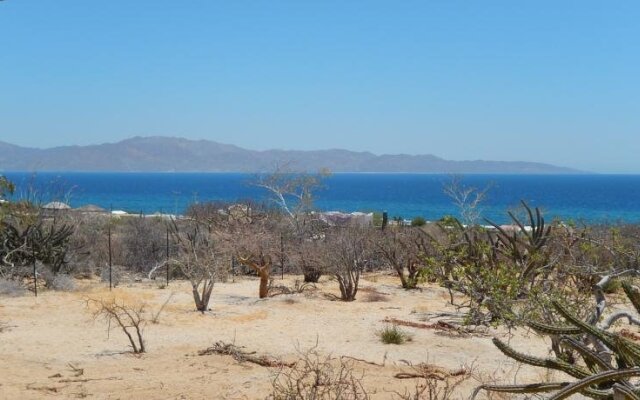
{"x": 402, "y": 248}
{"x": 373, "y": 296}
{"x": 348, "y": 258}
{"x": 318, "y": 377}
{"x": 11, "y": 288}
{"x": 63, "y": 282}
{"x": 418, "y": 221}
{"x": 116, "y": 275}
{"x": 129, "y": 318}
{"x": 143, "y": 243}
{"x": 392, "y": 334}
{"x": 509, "y": 274}
{"x": 197, "y": 258}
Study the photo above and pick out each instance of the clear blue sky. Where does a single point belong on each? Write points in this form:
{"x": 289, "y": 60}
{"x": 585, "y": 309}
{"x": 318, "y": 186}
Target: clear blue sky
{"x": 551, "y": 81}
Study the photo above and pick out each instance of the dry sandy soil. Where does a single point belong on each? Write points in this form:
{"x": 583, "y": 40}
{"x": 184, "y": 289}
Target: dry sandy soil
{"x": 42, "y": 337}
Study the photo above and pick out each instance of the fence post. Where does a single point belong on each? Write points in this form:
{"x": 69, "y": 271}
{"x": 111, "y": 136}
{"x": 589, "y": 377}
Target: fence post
{"x": 282, "y": 256}
{"x": 167, "y": 254}
{"x": 110, "y": 260}
{"x": 35, "y": 272}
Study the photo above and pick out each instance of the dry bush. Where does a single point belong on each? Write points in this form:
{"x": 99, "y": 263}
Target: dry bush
{"x": 198, "y": 257}
{"x": 130, "y": 318}
{"x": 348, "y": 258}
{"x": 374, "y": 296}
{"x": 320, "y": 378}
{"x": 116, "y": 275}
{"x": 63, "y": 283}
{"x": 402, "y": 248}
{"x": 11, "y": 288}
{"x": 143, "y": 243}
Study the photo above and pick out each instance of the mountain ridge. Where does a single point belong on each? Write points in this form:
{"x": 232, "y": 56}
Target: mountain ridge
{"x": 175, "y": 154}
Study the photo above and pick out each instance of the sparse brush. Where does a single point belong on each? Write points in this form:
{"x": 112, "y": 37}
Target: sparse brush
{"x": 320, "y": 378}
{"x": 131, "y": 319}
{"x": 373, "y": 296}
{"x": 391, "y": 334}
{"x": 9, "y": 288}
{"x": 63, "y": 282}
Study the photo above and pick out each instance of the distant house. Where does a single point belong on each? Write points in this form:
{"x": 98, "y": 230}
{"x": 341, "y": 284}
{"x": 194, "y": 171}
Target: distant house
{"x": 55, "y": 207}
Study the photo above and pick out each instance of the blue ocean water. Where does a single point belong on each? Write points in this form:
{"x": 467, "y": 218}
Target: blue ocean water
{"x": 590, "y": 198}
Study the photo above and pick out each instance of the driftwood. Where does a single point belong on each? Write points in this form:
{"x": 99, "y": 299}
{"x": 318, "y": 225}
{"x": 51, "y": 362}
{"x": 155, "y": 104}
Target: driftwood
{"x": 241, "y": 356}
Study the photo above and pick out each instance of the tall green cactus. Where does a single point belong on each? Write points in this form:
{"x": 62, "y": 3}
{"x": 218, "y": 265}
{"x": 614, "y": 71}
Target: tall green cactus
{"x": 605, "y": 360}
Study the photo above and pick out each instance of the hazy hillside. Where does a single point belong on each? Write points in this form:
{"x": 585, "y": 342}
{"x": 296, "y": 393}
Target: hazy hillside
{"x": 161, "y": 154}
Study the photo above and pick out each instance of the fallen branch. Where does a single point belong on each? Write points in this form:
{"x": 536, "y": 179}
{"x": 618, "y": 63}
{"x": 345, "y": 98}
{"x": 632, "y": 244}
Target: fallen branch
{"x": 241, "y": 356}
{"x": 438, "y": 325}
{"x": 429, "y": 371}
{"x": 367, "y": 362}
{"x": 112, "y": 378}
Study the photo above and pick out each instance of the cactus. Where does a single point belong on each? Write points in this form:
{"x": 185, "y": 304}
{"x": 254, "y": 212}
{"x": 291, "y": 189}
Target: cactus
{"x": 609, "y": 360}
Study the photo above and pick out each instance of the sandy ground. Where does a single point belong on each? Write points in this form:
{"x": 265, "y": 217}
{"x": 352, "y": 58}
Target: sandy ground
{"x": 42, "y": 337}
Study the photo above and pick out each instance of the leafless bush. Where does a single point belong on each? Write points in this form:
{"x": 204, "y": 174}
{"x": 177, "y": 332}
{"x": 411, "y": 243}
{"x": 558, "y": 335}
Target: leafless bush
{"x": 319, "y": 377}
{"x": 143, "y": 243}
{"x": 402, "y": 248}
{"x": 349, "y": 256}
{"x": 63, "y": 282}
{"x": 11, "y": 288}
{"x": 197, "y": 258}
{"x": 131, "y": 319}
{"x": 116, "y": 275}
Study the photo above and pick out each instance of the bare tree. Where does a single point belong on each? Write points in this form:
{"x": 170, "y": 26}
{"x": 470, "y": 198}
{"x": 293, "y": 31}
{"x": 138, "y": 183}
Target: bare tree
{"x": 293, "y": 194}
{"x": 261, "y": 264}
{"x": 466, "y": 198}
{"x": 291, "y": 191}
{"x": 256, "y": 245}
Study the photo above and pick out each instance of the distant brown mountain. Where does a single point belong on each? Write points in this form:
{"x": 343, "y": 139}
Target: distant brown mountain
{"x": 164, "y": 154}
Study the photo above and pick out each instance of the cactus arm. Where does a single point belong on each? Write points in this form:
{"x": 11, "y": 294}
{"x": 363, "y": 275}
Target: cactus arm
{"x": 572, "y": 370}
{"x": 623, "y": 392}
{"x": 625, "y": 348}
{"x": 526, "y": 388}
{"x": 585, "y": 383}
{"x": 553, "y": 330}
{"x": 590, "y": 357}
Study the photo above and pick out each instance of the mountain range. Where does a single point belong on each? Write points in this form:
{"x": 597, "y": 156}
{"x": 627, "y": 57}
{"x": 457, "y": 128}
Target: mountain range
{"x": 169, "y": 154}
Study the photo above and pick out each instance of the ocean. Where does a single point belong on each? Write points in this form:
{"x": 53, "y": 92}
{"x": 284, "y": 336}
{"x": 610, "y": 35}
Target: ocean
{"x": 588, "y": 198}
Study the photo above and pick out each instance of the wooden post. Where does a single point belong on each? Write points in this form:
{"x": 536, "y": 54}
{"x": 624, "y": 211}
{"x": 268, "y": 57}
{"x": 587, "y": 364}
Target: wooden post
{"x": 167, "y": 254}
{"x": 35, "y": 272}
{"x": 282, "y": 257}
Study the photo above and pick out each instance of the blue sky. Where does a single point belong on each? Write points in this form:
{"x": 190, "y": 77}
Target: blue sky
{"x": 550, "y": 81}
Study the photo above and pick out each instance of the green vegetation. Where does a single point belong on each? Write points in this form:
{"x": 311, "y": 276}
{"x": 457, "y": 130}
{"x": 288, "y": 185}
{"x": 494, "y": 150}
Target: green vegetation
{"x": 391, "y": 334}
{"x": 418, "y": 221}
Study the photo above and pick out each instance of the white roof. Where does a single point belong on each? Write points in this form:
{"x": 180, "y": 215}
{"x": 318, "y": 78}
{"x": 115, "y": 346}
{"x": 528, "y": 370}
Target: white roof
{"x": 56, "y": 205}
